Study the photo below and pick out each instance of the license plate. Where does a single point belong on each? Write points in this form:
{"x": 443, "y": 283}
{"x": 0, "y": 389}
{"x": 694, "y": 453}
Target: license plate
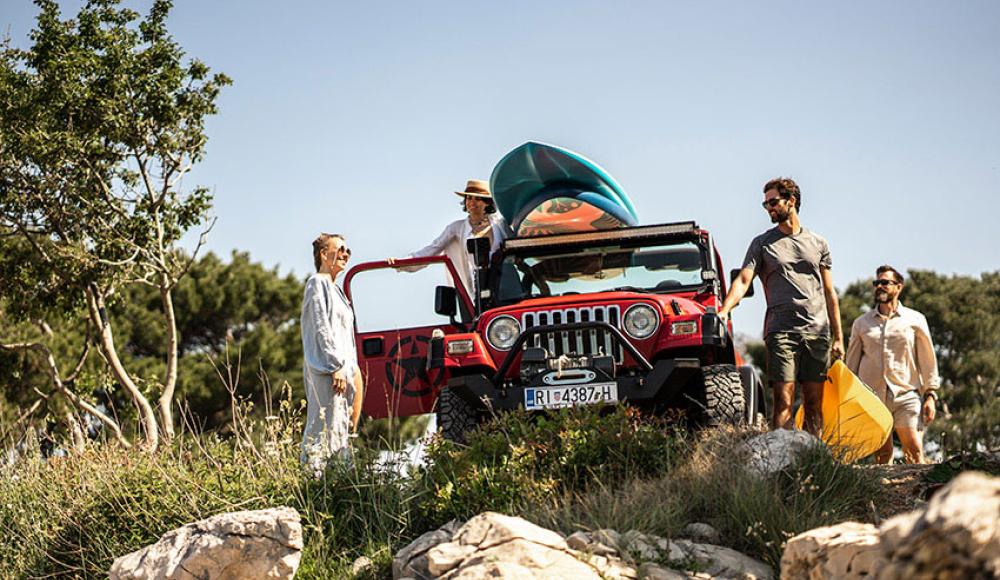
{"x": 557, "y": 397}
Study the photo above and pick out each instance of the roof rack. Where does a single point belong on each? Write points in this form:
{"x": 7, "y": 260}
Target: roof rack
{"x": 615, "y": 235}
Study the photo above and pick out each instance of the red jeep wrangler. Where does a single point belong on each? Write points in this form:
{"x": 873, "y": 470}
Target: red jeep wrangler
{"x": 569, "y": 319}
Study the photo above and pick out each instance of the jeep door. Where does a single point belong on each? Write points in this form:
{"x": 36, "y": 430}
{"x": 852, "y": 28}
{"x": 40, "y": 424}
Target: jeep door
{"x": 394, "y": 321}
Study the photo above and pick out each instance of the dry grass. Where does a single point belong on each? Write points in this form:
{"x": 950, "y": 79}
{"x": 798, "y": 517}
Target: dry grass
{"x": 71, "y": 517}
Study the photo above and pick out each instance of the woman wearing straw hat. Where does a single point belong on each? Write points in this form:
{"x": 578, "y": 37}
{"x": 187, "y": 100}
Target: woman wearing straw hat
{"x": 483, "y": 221}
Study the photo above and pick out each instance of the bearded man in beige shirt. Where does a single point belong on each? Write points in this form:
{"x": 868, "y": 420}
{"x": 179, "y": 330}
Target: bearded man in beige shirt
{"x": 891, "y": 351}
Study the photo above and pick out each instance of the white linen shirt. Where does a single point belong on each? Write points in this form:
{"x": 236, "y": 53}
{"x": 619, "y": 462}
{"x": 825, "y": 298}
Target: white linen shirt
{"x": 327, "y": 326}
{"x": 451, "y": 243}
{"x": 894, "y": 352}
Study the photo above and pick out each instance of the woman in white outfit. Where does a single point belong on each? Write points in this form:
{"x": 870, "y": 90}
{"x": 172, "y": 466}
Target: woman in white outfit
{"x": 483, "y": 221}
{"x": 333, "y": 383}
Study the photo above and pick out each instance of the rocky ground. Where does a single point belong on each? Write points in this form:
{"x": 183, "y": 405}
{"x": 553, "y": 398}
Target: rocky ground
{"x": 904, "y": 488}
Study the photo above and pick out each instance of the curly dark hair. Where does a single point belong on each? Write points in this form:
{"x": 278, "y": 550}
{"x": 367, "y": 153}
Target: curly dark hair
{"x": 786, "y": 189}
{"x": 490, "y": 206}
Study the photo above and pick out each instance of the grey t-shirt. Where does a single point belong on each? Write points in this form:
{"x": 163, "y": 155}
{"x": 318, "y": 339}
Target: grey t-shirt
{"x": 789, "y": 268}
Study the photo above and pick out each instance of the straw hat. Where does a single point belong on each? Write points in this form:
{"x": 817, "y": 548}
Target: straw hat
{"x": 476, "y": 188}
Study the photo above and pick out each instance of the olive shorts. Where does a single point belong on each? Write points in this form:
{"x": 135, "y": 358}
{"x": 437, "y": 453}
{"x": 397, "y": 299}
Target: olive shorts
{"x": 793, "y": 356}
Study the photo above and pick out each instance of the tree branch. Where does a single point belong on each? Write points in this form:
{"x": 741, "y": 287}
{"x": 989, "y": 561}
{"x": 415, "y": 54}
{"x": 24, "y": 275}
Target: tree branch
{"x": 202, "y": 240}
{"x": 7, "y": 432}
{"x": 105, "y": 192}
{"x": 83, "y": 358}
{"x": 53, "y": 370}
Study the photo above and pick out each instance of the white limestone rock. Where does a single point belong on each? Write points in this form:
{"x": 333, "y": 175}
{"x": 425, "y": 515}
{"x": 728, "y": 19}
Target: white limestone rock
{"x": 247, "y": 544}
{"x": 849, "y": 550}
{"x": 775, "y": 450}
{"x": 956, "y": 535}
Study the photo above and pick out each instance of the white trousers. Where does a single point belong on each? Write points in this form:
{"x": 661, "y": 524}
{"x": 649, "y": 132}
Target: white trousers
{"x": 328, "y": 420}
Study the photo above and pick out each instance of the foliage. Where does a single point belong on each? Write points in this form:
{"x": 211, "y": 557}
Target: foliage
{"x": 236, "y": 309}
{"x": 571, "y": 470}
{"x": 963, "y": 313}
{"x": 98, "y": 106}
{"x": 70, "y": 517}
{"x": 99, "y": 122}
{"x": 520, "y": 459}
{"x": 235, "y": 312}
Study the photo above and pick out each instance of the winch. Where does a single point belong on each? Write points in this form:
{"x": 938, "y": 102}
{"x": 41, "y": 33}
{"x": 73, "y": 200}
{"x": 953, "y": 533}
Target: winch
{"x": 537, "y": 360}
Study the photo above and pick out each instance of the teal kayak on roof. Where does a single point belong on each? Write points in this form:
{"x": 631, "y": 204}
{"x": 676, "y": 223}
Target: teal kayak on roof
{"x": 543, "y": 189}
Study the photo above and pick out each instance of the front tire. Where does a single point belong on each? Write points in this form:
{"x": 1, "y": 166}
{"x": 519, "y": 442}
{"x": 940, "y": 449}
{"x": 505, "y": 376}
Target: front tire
{"x": 455, "y": 416}
{"x": 720, "y": 400}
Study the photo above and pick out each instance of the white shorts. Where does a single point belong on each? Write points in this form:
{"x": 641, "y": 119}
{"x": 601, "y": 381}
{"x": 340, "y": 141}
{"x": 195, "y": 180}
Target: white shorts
{"x": 906, "y": 409}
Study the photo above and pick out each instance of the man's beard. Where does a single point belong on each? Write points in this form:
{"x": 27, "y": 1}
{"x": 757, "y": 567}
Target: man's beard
{"x": 882, "y": 297}
{"x": 778, "y": 216}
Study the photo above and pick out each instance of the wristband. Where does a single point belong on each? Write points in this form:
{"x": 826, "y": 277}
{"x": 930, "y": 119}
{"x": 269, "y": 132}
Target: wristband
{"x": 930, "y": 395}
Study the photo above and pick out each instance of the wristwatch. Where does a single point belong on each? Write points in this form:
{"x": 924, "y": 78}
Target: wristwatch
{"x": 931, "y": 395}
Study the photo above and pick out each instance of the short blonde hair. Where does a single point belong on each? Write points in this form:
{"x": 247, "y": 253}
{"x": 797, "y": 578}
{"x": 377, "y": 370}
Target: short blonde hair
{"x": 320, "y": 244}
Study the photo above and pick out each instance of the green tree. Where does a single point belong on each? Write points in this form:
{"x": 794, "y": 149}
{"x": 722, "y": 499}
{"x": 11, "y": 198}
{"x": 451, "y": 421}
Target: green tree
{"x": 236, "y": 310}
{"x": 99, "y": 122}
{"x": 963, "y": 313}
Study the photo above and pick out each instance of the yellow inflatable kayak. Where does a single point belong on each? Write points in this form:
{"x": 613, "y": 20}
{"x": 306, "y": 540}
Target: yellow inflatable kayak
{"x": 856, "y": 422}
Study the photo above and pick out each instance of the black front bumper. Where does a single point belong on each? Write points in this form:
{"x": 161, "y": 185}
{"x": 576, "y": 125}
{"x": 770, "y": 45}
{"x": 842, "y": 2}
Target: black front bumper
{"x": 660, "y": 386}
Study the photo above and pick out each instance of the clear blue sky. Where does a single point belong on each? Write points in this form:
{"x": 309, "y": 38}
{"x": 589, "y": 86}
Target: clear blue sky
{"x": 361, "y": 117}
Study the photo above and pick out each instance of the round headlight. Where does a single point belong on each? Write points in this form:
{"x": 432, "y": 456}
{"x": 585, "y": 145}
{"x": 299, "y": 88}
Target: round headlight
{"x": 502, "y": 333}
{"x": 641, "y": 321}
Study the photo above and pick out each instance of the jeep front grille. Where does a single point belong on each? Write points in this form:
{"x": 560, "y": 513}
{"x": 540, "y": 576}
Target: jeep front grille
{"x": 579, "y": 342}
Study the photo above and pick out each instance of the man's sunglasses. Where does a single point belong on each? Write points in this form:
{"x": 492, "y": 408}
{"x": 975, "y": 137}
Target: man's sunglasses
{"x": 771, "y": 202}
{"x": 877, "y": 283}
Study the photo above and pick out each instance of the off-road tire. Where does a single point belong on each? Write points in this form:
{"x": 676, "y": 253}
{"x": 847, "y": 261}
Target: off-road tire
{"x": 720, "y": 399}
{"x": 753, "y": 393}
{"x": 455, "y": 416}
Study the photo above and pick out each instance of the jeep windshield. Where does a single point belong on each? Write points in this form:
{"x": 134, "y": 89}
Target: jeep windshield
{"x": 667, "y": 267}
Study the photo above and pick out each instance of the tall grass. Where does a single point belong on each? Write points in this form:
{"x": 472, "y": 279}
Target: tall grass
{"x": 571, "y": 470}
{"x": 71, "y": 517}
{"x": 757, "y": 515}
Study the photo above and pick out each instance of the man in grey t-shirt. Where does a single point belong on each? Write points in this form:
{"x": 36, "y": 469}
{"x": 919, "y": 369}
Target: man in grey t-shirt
{"x": 793, "y": 264}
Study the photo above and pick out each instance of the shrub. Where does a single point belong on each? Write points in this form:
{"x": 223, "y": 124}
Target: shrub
{"x": 519, "y": 460}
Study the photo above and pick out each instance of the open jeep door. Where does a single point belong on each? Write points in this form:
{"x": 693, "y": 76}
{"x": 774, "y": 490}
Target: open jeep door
{"x": 394, "y": 360}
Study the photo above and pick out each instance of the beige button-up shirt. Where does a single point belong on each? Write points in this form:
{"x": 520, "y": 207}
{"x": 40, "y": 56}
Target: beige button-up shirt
{"x": 894, "y": 352}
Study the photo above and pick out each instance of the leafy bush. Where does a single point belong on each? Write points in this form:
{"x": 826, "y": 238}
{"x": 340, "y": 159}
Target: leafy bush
{"x": 519, "y": 460}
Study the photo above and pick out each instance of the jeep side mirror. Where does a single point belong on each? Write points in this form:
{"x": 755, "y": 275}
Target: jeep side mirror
{"x": 480, "y": 250}
{"x": 733, "y": 275}
{"x": 446, "y": 301}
